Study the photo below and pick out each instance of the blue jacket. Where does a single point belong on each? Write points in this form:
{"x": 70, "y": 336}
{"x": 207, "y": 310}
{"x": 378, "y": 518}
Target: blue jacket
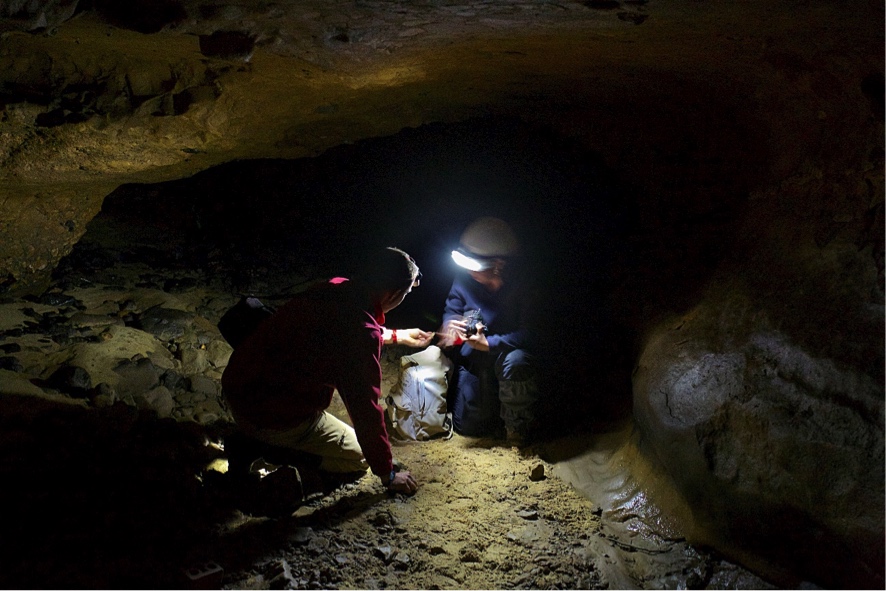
{"x": 505, "y": 313}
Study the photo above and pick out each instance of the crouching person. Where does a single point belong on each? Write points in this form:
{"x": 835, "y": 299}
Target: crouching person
{"x": 487, "y": 332}
{"x": 280, "y": 380}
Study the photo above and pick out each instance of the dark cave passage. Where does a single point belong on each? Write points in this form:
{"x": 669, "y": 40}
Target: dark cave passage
{"x": 607, "y": 257}
{"x": 595, "y": 245}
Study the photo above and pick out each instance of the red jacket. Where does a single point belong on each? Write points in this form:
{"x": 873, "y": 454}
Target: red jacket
{"x": 323, "y": 340}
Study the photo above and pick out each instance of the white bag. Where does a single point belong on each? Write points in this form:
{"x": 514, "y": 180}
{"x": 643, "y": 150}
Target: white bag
{"x": 416, "y": 406}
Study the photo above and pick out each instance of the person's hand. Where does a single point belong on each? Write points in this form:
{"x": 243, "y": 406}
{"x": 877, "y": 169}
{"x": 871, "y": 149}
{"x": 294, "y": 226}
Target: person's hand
{"x": 452, "y": 333}
{"x": 478, "y": 340}
{"x": 403, "y": 482}
{"x": 414, "y": 337}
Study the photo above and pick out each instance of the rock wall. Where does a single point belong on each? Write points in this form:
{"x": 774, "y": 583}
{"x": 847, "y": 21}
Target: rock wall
{"x": 693, "y": 103}
{"x": 764, "y": 401}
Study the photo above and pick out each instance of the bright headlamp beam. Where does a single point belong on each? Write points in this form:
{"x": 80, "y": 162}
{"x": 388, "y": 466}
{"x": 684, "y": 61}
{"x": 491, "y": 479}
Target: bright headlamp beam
{"x": 467, "y": 262}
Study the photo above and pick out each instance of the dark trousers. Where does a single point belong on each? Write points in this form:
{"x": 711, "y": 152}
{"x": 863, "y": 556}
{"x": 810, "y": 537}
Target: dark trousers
{"x": 492, "y": 392}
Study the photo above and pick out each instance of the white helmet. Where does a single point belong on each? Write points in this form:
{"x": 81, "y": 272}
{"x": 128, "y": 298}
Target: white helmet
{"x": 485, "y": 239}
{"x": 489, "y": 237}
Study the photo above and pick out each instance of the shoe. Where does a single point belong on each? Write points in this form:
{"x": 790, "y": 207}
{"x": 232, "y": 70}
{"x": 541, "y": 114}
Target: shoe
{"x": 312, "y": 484}
{"x": 514, "y": 438}
{"x": 276, "y": 493}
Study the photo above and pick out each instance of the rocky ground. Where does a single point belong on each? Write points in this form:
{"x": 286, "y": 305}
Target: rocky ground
{"x": 485, "y": 517}
{"x": 114, "y": 452}
{"x": 116, "y": 442}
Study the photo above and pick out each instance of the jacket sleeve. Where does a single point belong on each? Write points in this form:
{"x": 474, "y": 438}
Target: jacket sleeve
{"x": 455, "y": 303}
{"x": 359, "y": 385}
{"x": 524, "y": 306}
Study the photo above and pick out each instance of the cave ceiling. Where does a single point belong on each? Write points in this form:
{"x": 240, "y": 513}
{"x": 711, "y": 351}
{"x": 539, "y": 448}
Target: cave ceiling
{"x": 94, "y": 95}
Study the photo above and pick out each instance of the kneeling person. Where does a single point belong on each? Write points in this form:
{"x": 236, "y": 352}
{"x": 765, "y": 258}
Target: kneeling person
{"x": 280, "y": 380}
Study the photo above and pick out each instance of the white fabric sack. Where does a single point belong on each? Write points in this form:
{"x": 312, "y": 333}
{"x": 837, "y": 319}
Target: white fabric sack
{"x": 416, "y": 406}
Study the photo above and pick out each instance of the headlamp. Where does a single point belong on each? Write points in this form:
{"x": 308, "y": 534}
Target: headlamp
{"x": 470, "y": 262}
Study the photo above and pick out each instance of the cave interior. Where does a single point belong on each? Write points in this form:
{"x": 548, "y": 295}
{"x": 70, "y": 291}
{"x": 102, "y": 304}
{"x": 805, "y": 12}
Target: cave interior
{"x": 698, "y": 189}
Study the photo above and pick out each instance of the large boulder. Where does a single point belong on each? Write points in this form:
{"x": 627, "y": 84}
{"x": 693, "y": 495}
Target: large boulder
{"x": 778, "y": 452}
{"x": 764, "y": 404}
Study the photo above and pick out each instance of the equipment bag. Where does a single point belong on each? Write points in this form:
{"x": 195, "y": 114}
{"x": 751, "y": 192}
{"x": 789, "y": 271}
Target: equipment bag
{"x": 416, "y": 407}
{"x": 242, "y": 319}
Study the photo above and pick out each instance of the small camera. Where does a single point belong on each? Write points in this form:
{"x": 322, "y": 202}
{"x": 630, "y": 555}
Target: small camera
{"x": 472, "y": 319}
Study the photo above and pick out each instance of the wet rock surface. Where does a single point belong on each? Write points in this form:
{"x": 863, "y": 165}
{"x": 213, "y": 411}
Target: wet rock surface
{"x": 778, "y": 452}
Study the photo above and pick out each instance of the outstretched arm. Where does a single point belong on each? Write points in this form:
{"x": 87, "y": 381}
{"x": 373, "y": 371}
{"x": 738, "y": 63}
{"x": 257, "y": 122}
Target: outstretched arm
{"x": 411, "y": 337}
{"x": 359, "y": 385}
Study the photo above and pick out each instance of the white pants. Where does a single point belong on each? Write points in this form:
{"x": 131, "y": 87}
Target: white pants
{"x": 324, "y": 435}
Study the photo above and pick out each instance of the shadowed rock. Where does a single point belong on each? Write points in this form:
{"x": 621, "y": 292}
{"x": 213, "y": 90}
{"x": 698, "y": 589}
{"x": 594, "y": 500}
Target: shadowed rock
{"x": 229, "y": 45}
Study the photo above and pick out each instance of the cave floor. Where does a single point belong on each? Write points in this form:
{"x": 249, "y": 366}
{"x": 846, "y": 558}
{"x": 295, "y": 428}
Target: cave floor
{"x": 122, "y": 487}
{"x": 117, "y": 498}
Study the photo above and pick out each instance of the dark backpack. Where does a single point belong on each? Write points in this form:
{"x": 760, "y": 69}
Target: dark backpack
{"x": 241, "y": 320}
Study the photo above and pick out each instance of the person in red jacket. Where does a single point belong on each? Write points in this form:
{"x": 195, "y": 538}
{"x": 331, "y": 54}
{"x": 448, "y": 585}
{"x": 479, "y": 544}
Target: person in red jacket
{"x": 280, "y": 380}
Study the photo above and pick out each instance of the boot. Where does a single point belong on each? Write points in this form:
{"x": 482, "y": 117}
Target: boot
{"x": 518, "y": 399}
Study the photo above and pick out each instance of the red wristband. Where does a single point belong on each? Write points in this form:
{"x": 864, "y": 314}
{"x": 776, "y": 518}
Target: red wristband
{"x": 393, "y": 337}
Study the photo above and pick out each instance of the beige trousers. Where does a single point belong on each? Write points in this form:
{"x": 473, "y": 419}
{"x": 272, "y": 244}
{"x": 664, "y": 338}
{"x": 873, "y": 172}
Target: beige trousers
{"x": 324, "y": 435}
